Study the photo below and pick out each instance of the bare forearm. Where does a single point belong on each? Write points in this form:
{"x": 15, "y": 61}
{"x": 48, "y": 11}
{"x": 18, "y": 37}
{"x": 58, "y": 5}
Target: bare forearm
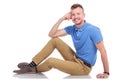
{"x": 104, "y": 59}
{"x": 55, "y": 27}
{"x": 105, "y": 62}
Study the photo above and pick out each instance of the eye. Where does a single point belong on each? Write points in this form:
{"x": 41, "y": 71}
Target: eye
{"x": 72, "y": 14}
{"x": 78, "y": 13}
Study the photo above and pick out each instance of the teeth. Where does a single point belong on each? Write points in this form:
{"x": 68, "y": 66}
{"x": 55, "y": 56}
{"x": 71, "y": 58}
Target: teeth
{"x": 76, "y": 19}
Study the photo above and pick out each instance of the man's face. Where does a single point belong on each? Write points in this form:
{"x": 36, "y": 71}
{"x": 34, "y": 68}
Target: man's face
{"x": 77, "y": 15}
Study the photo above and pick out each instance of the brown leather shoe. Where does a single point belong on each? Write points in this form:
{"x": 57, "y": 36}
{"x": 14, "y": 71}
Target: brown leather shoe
{"x": 22, "y": 65}
{"x": 26, "y": 70}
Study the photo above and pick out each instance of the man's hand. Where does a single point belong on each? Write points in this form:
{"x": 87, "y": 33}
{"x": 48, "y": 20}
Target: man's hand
{"x": 102, "y": 75}
{"x": 67, "y": 16}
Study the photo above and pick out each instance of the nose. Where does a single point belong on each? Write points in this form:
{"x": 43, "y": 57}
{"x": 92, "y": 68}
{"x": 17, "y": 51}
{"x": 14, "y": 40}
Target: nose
{"x": 76, "y": 16}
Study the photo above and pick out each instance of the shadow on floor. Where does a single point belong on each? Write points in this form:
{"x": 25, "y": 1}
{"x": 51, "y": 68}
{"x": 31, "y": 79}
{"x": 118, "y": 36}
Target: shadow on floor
{"x": 78, "y": 77}
{"x": 30, "y": 76}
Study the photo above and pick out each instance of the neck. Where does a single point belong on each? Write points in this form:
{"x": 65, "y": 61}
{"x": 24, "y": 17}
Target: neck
{"x": 80, "y": 24}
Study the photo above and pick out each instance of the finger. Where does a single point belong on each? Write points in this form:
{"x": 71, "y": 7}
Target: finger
{"x": 67, "y": 18}
{"x": 100, "y": 76}
{"x": 105, "y": 76}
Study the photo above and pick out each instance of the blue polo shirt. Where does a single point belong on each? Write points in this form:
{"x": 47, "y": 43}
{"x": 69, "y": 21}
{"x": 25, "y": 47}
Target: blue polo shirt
{"x": 84, "y": 40}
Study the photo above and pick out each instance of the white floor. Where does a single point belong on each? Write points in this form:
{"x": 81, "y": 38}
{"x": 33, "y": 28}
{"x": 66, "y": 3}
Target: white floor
{"x": 10, "y": 64}
{"x": 52, "y": 75}
{"x": 43, "y": 76}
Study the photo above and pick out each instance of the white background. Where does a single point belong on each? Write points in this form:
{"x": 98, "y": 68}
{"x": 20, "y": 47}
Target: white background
{"x": 24, "y": 27}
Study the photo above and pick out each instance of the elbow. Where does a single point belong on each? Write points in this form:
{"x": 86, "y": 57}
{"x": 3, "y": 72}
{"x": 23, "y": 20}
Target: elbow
{"x": 50, "y": 35}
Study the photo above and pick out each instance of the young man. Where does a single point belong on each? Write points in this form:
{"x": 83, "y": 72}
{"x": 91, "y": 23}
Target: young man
{"x": 86, "y": 37}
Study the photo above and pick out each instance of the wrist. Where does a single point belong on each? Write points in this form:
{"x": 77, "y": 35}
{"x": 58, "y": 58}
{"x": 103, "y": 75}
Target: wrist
{"x": 63, "y": 18}
{"x": 106, "y": 73}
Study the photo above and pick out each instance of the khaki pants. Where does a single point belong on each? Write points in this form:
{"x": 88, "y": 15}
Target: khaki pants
{"x": 70, "y": 64}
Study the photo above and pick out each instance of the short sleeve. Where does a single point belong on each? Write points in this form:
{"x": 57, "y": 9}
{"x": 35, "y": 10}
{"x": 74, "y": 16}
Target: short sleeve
{"x": 68, "y": 29}
{"x": 96, "y": 35}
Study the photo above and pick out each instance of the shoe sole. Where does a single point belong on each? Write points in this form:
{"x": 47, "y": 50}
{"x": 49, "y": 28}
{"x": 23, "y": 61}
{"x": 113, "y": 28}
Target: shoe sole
{"x": 28, "y": 73}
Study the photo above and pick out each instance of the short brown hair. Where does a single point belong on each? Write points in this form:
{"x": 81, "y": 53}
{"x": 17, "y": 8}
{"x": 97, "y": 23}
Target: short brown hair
{"x": 77, "y": 5}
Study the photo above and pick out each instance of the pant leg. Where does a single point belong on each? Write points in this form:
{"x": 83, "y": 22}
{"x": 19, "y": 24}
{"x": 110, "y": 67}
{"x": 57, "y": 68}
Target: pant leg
{"x": 57, "y": 43}
{"x": 70, "y": 65}
{"x": 76, "y": 67}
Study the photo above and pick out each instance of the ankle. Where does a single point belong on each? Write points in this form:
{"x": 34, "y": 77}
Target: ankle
{"x": 32, "y": 64}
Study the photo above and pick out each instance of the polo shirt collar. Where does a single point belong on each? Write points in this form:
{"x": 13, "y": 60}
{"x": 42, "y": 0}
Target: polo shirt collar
{"x": 82, "y": 27}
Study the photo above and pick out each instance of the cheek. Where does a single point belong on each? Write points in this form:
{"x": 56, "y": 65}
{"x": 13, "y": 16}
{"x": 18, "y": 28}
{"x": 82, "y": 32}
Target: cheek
{"x": 72, "y": 18}
{"x": 83, "y": 16}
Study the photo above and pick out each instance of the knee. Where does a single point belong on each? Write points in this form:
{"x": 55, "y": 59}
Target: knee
{"x": 50, "y": 61}
{"x": 55, "y": 39}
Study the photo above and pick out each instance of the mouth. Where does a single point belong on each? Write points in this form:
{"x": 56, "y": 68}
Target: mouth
{"x": 77, "y": 20}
